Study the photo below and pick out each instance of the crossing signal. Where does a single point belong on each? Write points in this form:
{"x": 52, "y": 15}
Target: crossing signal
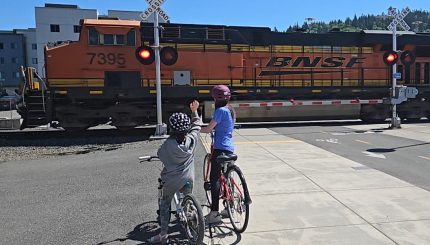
{"x": 407, "y": 57}
{"x": 168, "y": 55}
{"x": 145, "y": 55}
{"x": 390, "y": 57}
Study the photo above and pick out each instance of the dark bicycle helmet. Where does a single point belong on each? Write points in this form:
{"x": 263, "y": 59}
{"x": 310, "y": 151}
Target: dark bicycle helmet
{"x": 179, "y": 122}
{"x": 221, "y": 93}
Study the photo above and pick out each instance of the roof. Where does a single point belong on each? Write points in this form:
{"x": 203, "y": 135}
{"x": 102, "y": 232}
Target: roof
{"x": 112, "y": 22}
{"x": 388, "y": 32}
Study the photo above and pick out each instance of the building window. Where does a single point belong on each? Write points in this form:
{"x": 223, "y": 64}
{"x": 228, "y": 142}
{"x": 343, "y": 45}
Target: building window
{"x": 1, "y": 76}
{"x": 13, "y": 45}
{"x": 76, "y": 29}
{"x": 1, "y": 45}
{"x": 34, "y": 61}
{"x": 2, "y": 60}
{"x": 34, "y": 46}
{"x": 55, "y": 28}
{"x": 15, "y": 74}
{"x": 14, "y": 60}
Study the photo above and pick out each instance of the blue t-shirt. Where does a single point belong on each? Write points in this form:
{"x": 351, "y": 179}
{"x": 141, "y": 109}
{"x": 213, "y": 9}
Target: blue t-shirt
{"x": 223, "y": 129}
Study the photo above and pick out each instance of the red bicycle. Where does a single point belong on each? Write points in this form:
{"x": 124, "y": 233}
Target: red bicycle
{"x": 233, "y": 189}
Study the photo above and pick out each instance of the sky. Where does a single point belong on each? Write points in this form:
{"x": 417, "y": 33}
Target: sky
{"x": 17, "y": 14}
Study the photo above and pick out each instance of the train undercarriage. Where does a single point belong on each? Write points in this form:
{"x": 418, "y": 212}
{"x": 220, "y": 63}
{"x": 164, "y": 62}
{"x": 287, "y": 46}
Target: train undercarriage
{"x": 77, "y": 109}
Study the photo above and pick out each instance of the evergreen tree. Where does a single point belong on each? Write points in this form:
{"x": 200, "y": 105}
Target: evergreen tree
{"x": 418, "y": 20}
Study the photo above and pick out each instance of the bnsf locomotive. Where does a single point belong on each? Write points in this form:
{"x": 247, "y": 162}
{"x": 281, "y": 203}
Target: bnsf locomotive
{"x": 273, "y": 75}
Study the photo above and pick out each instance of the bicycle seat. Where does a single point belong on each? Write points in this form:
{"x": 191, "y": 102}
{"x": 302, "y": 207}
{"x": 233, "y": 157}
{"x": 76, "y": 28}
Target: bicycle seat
{"x": 226, "y": 158}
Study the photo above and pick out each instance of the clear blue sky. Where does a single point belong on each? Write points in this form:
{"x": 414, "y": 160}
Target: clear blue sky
{"x": 270, "y": 13}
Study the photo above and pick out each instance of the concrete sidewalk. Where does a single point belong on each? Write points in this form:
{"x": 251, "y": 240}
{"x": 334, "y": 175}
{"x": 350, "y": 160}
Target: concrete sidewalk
{"x": 305, "y": 195}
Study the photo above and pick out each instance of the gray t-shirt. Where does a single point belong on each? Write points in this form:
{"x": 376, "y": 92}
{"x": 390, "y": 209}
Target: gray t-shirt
{"x": 178, "y": 159}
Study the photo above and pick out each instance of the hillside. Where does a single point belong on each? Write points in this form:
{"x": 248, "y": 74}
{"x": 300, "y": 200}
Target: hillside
{"x": 418, "y": 20}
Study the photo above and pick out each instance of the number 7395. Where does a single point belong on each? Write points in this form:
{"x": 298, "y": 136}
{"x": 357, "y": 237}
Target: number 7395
{"x": 109, "y": 58}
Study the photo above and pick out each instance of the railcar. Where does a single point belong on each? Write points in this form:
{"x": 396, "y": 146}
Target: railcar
{"x": 273, "y": 75}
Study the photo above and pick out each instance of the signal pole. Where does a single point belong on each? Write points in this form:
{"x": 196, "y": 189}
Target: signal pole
{"x": 155, "y": 8}
{"x": 398, "y": 20}
{"x": 161, "y": 128}
{"x": 395, "y": 120}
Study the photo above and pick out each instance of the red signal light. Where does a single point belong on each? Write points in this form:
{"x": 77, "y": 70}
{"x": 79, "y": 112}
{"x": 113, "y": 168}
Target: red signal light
{"x": 168, "y": 55}
{"x": 390, "y": 57}
{"x": 407, "y": 57}
{"x": 145, "y": 55}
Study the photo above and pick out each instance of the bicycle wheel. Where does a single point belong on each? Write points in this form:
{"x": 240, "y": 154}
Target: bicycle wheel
{"x": 194, "y": 224}
{"x": 206, "y": 177}
{"x": 238, "y": 208}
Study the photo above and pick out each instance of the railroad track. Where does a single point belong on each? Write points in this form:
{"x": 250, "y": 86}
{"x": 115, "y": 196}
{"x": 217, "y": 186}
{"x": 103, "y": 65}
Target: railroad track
{"x": 65, "y": 138}
{"x": 148, "y": 131}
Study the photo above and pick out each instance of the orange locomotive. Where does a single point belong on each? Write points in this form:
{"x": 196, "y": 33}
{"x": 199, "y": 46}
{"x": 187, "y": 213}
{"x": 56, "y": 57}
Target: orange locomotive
{"x": 273, "y": 75}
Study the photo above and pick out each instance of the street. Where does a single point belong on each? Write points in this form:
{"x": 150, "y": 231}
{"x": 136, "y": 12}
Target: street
{"x": 401, "y": 153}
{"x": 313, "y": 171}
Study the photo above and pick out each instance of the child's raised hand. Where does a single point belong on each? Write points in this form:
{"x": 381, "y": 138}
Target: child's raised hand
{"x": 194, "y": 105}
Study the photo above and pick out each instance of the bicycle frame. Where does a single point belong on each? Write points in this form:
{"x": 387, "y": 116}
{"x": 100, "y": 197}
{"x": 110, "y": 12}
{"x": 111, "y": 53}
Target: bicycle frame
{"x": 188, "y": 210}
{"x": 225, "y": 193}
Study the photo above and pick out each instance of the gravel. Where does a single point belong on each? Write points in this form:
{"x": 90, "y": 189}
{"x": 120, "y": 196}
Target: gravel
{"x": 38, "y": 152}
{"x": 58, "y": 143}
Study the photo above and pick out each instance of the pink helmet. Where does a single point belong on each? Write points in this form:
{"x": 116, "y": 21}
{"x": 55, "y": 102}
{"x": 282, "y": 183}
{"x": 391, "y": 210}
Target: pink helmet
{"x": 221, "y": 93}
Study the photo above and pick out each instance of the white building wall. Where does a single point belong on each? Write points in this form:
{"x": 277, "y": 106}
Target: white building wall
{"x": 30, "y": 46}
{"x": 66, "y": 18}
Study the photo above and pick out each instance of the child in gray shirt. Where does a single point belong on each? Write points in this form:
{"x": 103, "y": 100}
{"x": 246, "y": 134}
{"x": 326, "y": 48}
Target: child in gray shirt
{"x": 177, "y": 155}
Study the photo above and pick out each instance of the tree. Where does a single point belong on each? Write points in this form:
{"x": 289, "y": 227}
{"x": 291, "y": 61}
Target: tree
{"x": 419, "y": 20}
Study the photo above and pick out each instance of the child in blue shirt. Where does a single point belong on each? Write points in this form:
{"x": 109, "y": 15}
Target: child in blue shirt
{"x": 223, "y": 122}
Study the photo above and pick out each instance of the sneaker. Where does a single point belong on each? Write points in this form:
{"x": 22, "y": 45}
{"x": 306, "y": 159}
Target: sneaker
{"x": 224, "y": 213}
{"x": 159, "y": 239}
{"x": 213, "y": 217}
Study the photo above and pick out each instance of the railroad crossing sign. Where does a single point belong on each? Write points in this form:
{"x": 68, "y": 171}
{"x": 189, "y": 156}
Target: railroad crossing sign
{"x": 155, "y": 6}
{"x": 398, "y": 18}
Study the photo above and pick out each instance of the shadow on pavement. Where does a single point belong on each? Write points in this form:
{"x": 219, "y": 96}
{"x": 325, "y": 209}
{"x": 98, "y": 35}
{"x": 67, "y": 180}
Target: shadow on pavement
{"x": 395, "y": 148}
{"x": 143, "y": 232}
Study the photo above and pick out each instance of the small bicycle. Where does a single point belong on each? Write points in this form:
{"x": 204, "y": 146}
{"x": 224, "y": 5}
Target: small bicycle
{"x": 188, "y": 210}
{"x": 234, "y": 190}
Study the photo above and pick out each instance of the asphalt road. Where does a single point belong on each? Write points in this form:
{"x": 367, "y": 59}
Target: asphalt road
{"x": 406, "y": 159}
{"x": 101, "y": 197}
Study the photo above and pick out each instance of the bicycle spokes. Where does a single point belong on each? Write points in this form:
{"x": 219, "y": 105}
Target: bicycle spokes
{"x": 238, "y": 209}
{"x": 193, "y": 220}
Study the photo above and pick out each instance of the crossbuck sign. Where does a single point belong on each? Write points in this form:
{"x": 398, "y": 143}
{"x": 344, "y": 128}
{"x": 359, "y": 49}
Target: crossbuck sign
{"x": 398, "y": 19}
{"x": 154, "y": 6}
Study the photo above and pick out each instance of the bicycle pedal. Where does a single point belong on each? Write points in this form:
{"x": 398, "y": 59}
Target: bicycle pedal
{"x": 207, "y": 186}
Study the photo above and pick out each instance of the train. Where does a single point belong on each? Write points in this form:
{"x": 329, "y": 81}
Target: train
{"x": 273, "y": 75}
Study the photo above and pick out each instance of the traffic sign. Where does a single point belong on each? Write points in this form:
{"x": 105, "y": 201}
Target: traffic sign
{"x": 155, "y": 6}
{"x": 397, "y": 75}
{"x": 398, "y": 19}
